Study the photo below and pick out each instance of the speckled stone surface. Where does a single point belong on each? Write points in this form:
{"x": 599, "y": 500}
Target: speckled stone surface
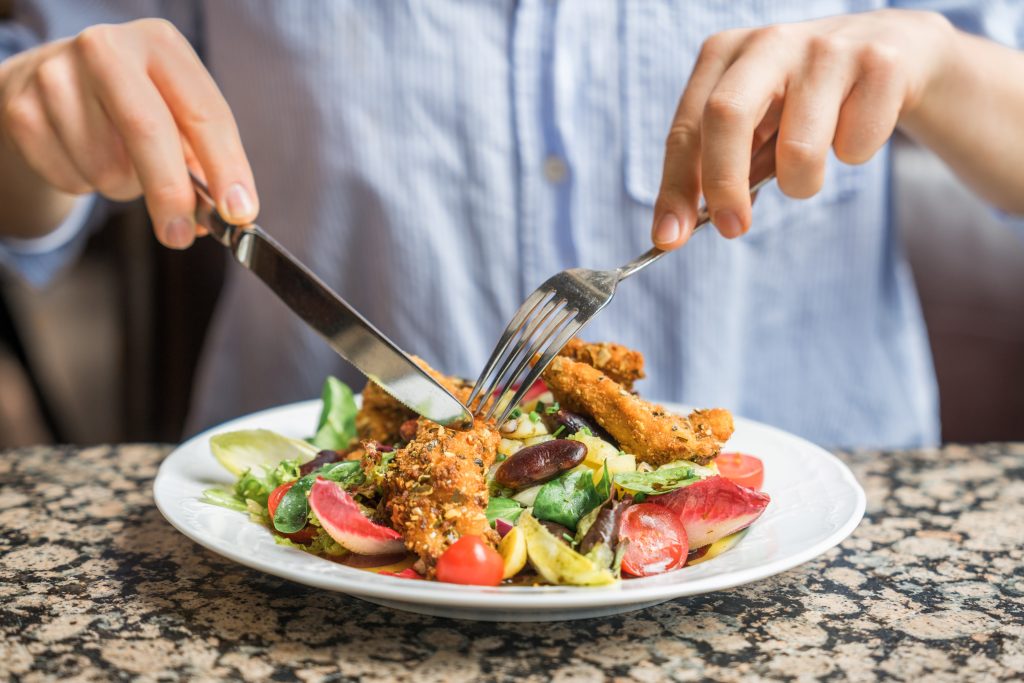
{"x": 95, "y": 585}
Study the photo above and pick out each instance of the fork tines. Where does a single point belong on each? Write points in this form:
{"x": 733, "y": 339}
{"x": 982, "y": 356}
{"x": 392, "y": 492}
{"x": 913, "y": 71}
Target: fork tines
{"x": 544, "y": 321}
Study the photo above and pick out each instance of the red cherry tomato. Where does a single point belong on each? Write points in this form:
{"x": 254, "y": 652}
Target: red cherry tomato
{"x": 303, "y": 536}
{"x": 274, "y": 499}
{"x": 470, "y": 561}
{"x": 742, "y": 469}
{"x": 657, "y": 540}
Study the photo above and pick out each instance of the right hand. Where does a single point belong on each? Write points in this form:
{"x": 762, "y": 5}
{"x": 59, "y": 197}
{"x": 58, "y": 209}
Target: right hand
{"x": 126, "y": 110}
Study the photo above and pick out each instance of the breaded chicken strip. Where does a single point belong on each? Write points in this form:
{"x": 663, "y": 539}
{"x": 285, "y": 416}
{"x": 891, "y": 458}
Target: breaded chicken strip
{"x": 618, "y": 362}
{"x": 650, "y": 432}
{"x": 381, "y": 416}
{"x": 435, "y": 488}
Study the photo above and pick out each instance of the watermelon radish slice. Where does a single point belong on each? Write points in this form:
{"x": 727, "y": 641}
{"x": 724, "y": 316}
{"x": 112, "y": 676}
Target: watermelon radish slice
{"x": 343, "y": 521}
{"x": 713, "y": 508}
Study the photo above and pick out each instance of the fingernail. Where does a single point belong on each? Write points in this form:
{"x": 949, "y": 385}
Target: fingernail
{"x": 179, "y": 233}
{"x": 238, "y": 203}
{"x": 667, "y": 230}
{"x": 728, "y": 223}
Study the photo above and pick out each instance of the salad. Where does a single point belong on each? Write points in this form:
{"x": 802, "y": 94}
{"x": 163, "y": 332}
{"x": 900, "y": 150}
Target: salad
{"x": 585, "y": 484}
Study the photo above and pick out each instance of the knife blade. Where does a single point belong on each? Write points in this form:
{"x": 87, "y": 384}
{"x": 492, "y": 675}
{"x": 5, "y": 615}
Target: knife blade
{"x": 351, "y": 335}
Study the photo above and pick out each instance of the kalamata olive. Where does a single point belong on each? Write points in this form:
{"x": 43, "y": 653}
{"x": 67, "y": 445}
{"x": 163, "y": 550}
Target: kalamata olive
{"x": 322, "y": 458}
{"x": 605, "y": 528}
{"x": 574, "y": 422}
{"x": 407, "y": 430}
{"x": 539, "y": 463}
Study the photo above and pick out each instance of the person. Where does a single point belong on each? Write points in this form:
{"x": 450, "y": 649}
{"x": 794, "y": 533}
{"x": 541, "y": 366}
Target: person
{"x": 436, "y": 161}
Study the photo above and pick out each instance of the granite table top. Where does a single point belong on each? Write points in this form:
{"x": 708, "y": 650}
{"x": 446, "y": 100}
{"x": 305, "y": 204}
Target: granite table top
{"x": 95, "y": 585}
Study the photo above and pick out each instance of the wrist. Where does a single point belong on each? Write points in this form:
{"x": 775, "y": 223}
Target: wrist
{"x": 943, "y": 47}
{"x": 29, "y": 206}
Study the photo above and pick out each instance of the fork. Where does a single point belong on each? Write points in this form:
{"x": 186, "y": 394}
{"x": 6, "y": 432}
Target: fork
{"x": 557, "y": 310}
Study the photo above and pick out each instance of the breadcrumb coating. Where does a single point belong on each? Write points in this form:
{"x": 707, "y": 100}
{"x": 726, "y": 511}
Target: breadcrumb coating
{"x": 435, "y": 488}
{"x": 618, "y": 362}
{"x": 381, "y": 416}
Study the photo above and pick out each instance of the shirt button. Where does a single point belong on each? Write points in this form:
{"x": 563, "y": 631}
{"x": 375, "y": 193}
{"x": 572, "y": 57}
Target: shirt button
{"x": 555, "y": 169}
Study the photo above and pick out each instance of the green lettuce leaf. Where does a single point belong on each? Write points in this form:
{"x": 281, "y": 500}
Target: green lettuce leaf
{"x": 570, "y": 496}
{"x": 225, "y": 498}
{"x": 657, "y": 482}
{"x": 257, "y": 482}
{"x": 336, "y": 429}
{"x": 505, "y": 508}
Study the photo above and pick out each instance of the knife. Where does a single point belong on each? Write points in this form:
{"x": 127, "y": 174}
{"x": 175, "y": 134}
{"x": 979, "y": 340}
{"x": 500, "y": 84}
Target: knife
{"x": 345, "y": 330}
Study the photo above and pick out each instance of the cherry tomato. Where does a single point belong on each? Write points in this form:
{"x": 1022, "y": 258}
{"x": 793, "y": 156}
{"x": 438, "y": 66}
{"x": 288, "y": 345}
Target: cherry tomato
{"x": 274, "y": 499}
{"x": 657, "y": 540}
{"x": 303, "y": 536}
{"x": 470, "y": 561}
{"x": 742, "y": 469}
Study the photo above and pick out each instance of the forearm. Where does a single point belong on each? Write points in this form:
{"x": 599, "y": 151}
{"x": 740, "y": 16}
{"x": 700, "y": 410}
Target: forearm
{"x": 972, "y": 115}
{"x": 29, "y": 206}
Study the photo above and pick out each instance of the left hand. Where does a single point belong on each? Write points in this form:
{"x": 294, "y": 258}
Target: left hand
{"x": 843, "y": 82}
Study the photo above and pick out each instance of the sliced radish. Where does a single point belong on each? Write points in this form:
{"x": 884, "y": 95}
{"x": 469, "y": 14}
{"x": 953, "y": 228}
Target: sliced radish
{"x": 343, "y": 521}
{"x": 713, "y": 508}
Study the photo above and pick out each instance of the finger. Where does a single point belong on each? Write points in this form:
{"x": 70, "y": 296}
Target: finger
{"x": 869, "y": 114}
{"x": 205, "y": 118}
{"x": 150, "y": 135}
{"x": 768, "y": 126}
{"x": 809, "y": 118}
{"x": 29, "y": 129}
{"x": 675, "y": 211}
{"x": 85, "y": 131}
{"x": 734, "y": 108}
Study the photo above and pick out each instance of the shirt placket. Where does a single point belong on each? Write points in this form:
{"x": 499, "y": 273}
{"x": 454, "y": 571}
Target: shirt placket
{"x": 545, "y": 178}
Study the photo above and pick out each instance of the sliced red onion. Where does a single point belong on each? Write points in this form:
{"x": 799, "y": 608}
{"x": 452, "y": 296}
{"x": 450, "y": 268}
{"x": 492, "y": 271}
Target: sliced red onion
{"x": 502, "y": 527}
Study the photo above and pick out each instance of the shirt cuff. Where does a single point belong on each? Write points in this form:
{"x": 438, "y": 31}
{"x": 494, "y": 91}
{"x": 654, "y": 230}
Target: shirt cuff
{"x": 39, "y": 259}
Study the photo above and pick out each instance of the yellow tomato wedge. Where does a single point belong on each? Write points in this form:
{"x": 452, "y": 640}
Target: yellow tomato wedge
{"x": 718, "y": 547}
{"x": 513, "y": 552}
{"x": 623, "y": 462}
{"x": 396, "y": 567}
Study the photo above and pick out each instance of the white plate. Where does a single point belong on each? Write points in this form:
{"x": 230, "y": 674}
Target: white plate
{"x": 816, "y": 503}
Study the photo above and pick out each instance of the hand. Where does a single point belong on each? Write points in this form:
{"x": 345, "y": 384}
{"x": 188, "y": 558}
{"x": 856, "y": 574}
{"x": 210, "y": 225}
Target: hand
{"x": 125, "y": 110}
{"x": 842, "y": 82}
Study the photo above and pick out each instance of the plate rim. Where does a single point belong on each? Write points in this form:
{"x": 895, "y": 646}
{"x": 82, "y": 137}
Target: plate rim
{"x": 507, "y": 598}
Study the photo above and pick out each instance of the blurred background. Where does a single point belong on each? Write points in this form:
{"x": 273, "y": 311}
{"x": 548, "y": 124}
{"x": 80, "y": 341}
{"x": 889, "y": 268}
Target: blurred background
{"x": 106, "y": 353}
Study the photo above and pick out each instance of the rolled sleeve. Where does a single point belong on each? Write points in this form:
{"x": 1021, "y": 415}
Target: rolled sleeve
{"x": 38, "y": 260}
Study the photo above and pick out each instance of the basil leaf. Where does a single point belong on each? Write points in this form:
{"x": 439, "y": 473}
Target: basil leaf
{"x": 569, "y": 497}
{"x": 293, "y": 510}
{"x": 346, "y": 472}
{"x": 658, "y": 481}
{"x": 336, "y": 428}
{"x": 505, "y": 508}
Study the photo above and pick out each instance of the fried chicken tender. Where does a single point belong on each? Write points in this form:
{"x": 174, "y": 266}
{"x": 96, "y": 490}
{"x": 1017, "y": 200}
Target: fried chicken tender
{"x": 618, "y": 362}
{"x": 381, "y": 416}
{"x": 435, "y": 488}
{"x": 649, "y": 431}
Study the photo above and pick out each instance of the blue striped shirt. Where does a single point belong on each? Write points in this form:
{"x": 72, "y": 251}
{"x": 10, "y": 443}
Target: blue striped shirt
{"x": 435, "y": 161}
